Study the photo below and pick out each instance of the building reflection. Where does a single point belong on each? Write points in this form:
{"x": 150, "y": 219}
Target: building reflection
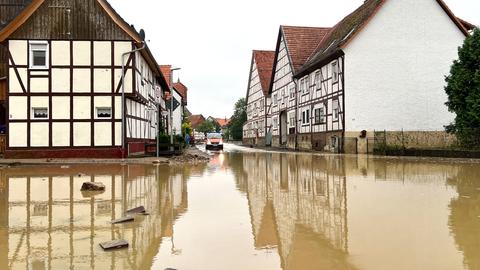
{"x": 47, "y": 223}
{"x": 298, "y": 205}
{"x": 464, "y": 220}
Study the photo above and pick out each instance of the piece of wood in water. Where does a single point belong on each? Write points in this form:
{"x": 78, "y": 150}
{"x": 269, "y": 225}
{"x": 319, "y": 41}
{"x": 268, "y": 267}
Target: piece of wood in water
{"x": 136, "y": 210}
{"x": 115, "y": 244}
{"x": 123, "y": 220}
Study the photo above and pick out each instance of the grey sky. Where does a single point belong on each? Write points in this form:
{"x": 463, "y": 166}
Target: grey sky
{"x": 212, "y": 40}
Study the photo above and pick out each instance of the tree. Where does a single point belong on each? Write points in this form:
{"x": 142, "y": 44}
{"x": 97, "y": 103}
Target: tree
{"x": 239, "y": 118}
{"x": 463, "y": 90}
{"x": 186, "y": 128}
{"x": 206, "y": 127}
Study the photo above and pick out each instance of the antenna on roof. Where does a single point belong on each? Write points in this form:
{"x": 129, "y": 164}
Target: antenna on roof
{"x": 142, "y": 34}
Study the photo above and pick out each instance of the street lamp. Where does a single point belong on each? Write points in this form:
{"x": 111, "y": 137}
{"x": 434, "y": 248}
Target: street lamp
{"x": 171, "y": 106}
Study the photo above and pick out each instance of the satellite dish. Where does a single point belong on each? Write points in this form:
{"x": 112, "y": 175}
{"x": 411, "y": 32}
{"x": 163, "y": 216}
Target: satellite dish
{"x": 142, "y": 34}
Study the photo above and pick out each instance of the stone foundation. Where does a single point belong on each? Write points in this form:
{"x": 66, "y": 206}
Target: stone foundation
{"x": 291, "y": 144}
{"x": 254, "y": 142}
{"x": 305, "y": 141}
{"x": 276, "y": 141}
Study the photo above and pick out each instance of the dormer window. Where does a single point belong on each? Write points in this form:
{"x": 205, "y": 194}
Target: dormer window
{"x": 39, "y": 55}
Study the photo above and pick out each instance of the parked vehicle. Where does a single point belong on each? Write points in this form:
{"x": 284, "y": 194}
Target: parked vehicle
{"x": 214, "y": 141}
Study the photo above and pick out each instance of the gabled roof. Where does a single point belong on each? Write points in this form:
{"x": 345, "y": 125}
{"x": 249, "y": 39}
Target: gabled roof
{"x": 344, "y": 31}
{"x": 182, "y": 90}
{"x": 301, "y": 42}
{"x": 35, "y": 4}
{"x": 264, "y": 61}
{"x": 196, "y": 120}
{"x": 223, "y": 122}
{"x": 29, "y": 10}
{"x": 167, "y": 72}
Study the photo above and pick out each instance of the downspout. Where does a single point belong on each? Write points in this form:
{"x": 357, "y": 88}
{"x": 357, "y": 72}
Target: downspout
{"x": 123, "y": 94}
{"x": 297, "y": 130}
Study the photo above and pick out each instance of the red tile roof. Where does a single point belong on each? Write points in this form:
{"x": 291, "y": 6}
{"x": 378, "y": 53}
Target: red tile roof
{"x": 183, "y": 90}
{"x": 302, "y": 41}
{"x": 264, "y": 61}
{"x": 167, "y": 73}
{"x": 344, "y": 31}
{"x": 222, "y": 121}
{"x": 196, "y": 120}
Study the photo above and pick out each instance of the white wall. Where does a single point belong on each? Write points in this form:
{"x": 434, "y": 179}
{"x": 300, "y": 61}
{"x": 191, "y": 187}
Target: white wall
{"x": 177, "y": 115}
{"x": 395, "y": 68}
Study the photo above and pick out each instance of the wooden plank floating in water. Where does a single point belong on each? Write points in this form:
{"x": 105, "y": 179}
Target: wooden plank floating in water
{"x": 115, "y": 244}
{"x": 123, "y": 220}
{"x": 137, "y": 210}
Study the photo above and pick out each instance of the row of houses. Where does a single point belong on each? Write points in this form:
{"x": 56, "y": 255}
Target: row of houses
{"x": 76, "y": 80}
{"x": 381, "y": 68}
{"x": 197, "y": 120}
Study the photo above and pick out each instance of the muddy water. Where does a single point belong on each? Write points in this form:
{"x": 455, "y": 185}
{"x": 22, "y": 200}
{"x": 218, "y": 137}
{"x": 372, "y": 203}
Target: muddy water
{"x": 246, "y": 211}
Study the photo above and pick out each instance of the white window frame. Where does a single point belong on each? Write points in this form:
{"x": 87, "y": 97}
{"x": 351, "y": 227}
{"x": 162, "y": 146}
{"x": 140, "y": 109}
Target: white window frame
{"x": 321, "y": 117}
{"x": 318, "y": 81}
{"x": 306, "y": 117}
{"x": 40, "y": 108}
{"x": 291, "y": 91}
{"x": 306, "y": 88}
{"x": 335, "y": 71}
{"x": 103, "y": 108}
{"x": 291, "y": 123}
{"x": 335, "y": 110}
{"x": 31, "y": 48}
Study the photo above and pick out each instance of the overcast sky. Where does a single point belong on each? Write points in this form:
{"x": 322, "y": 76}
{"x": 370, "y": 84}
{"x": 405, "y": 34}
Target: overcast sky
{"x": 212, "y": 40}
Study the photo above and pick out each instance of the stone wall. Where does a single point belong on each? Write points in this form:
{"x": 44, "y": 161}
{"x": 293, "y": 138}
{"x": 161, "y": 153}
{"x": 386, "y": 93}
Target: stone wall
{"x": 418, "y": 139}
{"x": 255, "y": 142}
{"x": 275, "y": 141}
{"x": 305, "y": 142}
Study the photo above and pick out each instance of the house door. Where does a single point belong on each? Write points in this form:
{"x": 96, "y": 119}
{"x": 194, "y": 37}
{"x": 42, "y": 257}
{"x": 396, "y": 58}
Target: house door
{"x": 283, "y": 127}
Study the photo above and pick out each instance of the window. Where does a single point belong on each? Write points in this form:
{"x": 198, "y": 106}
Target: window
{"x": 292, "y": 120}
{"x": 319, "y": 116}
{"x": 104, "y": 112}
{"x": 306, "y": 117}
{"x": 335, "y": 71}
{"x": 40, "y": 113}
{"x": 262, "y": 105}
{"x": 318, "y": 81}
{"x": 275, "y": 122}
{"x": 292, "y": 91}
{"x": 39, "y": 55}
{"x": 335, "y": 110}
{"x": 302, "y": 86}
{"x": 275, "y": 99}
{"x": 307, "y": 85}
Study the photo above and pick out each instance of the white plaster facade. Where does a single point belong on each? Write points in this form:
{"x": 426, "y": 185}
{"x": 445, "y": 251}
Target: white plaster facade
{"x": 395, "y": 68}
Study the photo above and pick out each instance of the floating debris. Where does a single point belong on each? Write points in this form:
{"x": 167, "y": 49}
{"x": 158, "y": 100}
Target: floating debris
{"x": 115, "y": 244}
{"x": 93, "y": 186}
{"x": 137, "y": 210}
{"x": 123, "y": 220}
{"x": 65, "y": 167}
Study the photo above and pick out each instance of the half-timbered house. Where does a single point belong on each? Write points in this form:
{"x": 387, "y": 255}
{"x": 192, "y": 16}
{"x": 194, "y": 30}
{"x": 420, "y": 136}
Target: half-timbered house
{"x": 294, "y": 46}
{"x": 61, "y": 65}
{"x": 380, "y": 68}
{"x": 258, "y": 99}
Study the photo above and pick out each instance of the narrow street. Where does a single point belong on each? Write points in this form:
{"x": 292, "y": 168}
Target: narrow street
{"x": 246, "y": 209}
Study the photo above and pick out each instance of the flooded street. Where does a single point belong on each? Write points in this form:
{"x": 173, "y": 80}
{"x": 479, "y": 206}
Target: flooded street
{"x": 246, "y": 209}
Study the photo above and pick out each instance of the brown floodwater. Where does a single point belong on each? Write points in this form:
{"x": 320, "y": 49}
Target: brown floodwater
{"x": 246, "y": 210}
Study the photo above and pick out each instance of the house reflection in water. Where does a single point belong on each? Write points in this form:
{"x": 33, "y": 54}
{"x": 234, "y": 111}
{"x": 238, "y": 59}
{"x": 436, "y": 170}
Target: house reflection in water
{"x": 47, "y": 223}
{"x": 298, "y": 205}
